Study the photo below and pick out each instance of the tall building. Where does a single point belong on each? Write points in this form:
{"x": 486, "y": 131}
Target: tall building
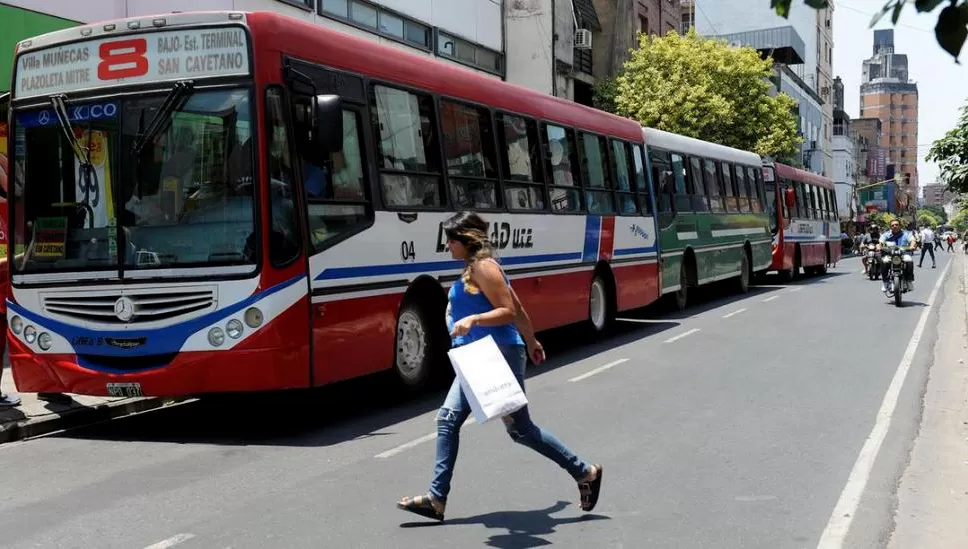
{"x": 873, "y": 194}
{"x": 844, "y": 156}
{"x": 825, "y": 59}
{"x": 937, "y": 194}
{"x": 795, "y": 45}
{"x": 888, "y": 94}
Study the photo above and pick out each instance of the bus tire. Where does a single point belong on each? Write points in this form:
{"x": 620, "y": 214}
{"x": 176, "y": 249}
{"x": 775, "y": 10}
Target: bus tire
{"x": 822, "y": 269}
{"x": 743, "y": 280}
{"x": 418, "y": 345}
{"x": 601, "y": 303}
{"x": 682, "y": 294}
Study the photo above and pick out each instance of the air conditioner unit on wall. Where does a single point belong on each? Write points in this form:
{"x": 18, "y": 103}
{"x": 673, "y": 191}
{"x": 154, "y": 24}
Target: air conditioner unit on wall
{"x": 583, "y": 39}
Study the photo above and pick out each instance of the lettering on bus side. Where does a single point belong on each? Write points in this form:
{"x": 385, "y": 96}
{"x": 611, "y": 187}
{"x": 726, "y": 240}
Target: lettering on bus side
{"x": 502, "y": 236}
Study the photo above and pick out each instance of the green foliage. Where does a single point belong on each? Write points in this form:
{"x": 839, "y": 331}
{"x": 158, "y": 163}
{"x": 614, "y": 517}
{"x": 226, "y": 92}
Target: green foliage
{"x": 703, "y": 88}
{"x": 950, "y": 31}
{"x": 928, "y": 218}
{"x": 603, "y": 95}
{"x": 881, "y": 219}
{"x": 938, "y": 212}
{"x": 951, "y": 154}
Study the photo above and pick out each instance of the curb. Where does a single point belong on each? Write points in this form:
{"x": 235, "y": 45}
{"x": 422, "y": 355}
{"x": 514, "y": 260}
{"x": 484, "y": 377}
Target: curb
{"x": 77, "y": 417}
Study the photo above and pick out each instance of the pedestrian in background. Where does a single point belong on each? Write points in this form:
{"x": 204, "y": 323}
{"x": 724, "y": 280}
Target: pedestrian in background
{"x": 482, "y": 303}
{"x": 927, "y": 247}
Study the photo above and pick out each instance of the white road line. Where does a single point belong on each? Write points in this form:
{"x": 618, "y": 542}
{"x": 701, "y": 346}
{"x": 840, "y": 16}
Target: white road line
{"x": 171, "y": 542}
{"x": 736, "y": 312}
{"x": 771, "y": 298}
{"x": 415, "y": 442}
{"x": 682, "y": 335}
{"x": 795, "y": 290}
{"x": 599, "y": 370}
{"x": 840, "y": 520}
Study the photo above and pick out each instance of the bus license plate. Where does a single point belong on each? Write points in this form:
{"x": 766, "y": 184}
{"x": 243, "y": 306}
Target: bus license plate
{"x": 125, "y": 389}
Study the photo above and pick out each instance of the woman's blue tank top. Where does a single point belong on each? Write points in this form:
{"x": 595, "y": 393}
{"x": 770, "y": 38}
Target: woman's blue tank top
{"x": 463, "y": 304}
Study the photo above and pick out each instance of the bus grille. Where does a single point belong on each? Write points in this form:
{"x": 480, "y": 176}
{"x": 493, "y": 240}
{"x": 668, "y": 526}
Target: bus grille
{"x": 150, "y": 304}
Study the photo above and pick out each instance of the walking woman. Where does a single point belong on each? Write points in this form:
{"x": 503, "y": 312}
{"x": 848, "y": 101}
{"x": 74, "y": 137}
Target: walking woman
{"x": 481, "y": 304}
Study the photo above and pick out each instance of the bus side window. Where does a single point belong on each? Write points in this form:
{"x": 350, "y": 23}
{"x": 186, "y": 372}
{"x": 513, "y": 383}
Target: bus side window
{"x": 742, "y": 190}
{"x": 409, "y": 152}
{"x": 562, "y": 165}
{"x": 283, "y": 237}
{"x": 623, "y": 183}
{"x": 336, "y": 193}
{"x": 729, "y": 198}
{"x": 470, "y": 156}
{"x": 713, "y": 186}
{"x": 642, "y": 187}
{"x": 683, "y": 202}
{"x": 520, "y": 156}
{"x": 698, "y": 189}
{"x": 753, "y": 179}
{"x": 595, "y": 174}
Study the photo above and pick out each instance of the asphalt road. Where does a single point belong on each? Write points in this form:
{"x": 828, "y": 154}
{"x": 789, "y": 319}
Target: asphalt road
{"x": 733, "y": 425}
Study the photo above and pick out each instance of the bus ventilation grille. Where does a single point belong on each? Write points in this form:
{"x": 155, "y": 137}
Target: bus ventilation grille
{"x": 146, "y": 305}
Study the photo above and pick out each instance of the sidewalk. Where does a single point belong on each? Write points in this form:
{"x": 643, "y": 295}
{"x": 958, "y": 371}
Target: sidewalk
{"x": 932, "y": 496}
{"x": 35, "y": 417}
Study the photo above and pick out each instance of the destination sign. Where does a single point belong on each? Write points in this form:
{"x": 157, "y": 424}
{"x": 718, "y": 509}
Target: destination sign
{"x": 132, "y": 59}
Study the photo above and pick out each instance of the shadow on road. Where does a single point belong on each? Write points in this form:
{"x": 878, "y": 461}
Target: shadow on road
{"x": 523, "y": 527}
{"x": 369, "y": 406}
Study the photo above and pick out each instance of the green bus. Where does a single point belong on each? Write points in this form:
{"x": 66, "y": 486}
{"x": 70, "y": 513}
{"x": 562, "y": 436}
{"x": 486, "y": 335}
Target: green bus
{"x": 710, "y": 211}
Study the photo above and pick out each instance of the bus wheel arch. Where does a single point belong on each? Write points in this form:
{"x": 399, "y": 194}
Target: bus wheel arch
{"x": 420, "y": 340}
{"x": 602, "y": 299}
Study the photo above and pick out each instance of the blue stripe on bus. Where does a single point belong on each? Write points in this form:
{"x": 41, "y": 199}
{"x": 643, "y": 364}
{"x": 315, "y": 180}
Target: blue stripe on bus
{"x": 158, "y": 341}
{"x": 632, "y": 251}
{"x": 593, "y": 235}
{"x": 360, "y": 271}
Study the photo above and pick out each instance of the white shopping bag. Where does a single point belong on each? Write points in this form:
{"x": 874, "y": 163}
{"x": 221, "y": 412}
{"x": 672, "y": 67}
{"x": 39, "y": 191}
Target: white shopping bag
{"x": 487, "y": 380}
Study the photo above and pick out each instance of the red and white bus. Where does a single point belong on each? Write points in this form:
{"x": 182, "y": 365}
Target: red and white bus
{"x": 243, "y": 201}
{"x": 803, "y": 219}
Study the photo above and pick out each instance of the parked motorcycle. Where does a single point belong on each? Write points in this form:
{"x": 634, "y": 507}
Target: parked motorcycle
{"x": 897, "y": 284}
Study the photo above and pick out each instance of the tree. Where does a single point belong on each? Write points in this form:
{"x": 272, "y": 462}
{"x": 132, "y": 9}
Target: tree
{"x": 938, "y": 212}
{"x": 928, "y": 218}
{"x": 951, "y": 154}
{"x": 881, "y": 219}
{"x": 702, "y": 88}
{"x": 950, "y": 31}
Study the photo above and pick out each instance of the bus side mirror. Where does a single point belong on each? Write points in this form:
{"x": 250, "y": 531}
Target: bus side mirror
{"x": 327, "y": 125}
{"x": 791, "y": 198}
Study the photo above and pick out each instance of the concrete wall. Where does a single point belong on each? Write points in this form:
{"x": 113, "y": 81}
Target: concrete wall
{"x": 529, "y": 29}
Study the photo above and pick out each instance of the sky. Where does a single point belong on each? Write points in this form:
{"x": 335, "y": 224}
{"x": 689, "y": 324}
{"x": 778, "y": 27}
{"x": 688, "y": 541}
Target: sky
{"x": 942, "y": 85}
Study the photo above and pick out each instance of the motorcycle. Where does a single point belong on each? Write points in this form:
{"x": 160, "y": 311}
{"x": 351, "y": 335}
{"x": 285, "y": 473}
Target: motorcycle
{"x": 897, "y": 284}
{"x": 873, "y": 263}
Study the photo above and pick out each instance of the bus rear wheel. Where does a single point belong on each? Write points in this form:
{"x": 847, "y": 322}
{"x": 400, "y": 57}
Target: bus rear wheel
{"x": 418, "y": 346}
{"x": 601, "y": 312}
{"x": 682, "y": 294}
{"x": 743, "y": 281}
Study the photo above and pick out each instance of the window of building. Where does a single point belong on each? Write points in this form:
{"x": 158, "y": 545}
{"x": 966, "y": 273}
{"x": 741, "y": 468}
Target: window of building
{"x": 377, "y": 19}
{"x": 469, "y": 53}
{"x": 408, "y": 159}
{"x": 304, "y": 4}
{"x": 470, "y": 156}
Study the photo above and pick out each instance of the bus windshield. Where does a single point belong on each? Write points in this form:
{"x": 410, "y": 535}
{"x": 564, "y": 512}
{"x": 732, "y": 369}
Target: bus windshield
{"x": 183, "y": 197}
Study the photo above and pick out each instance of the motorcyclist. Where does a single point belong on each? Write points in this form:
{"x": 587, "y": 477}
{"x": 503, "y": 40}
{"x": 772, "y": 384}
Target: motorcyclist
{"x": 870, "y": 238}
{"x": 901, "y": 239}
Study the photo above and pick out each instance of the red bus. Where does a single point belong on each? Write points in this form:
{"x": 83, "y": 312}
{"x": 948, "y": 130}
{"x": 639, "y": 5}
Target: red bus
{"x": 236, "y": 201}
{"x": 803, "y": 219}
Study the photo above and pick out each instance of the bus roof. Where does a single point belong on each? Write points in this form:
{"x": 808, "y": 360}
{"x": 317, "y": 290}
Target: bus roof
{"x": 796, "y": 174}
{"x": 690, "y": 145}
{"x": 338, "y": 50}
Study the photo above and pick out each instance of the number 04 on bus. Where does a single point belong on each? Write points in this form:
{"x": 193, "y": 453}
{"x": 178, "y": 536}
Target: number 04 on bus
{"x": 225, "y": 201}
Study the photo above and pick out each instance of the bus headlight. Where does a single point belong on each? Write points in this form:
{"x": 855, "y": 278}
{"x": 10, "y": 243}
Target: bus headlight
{"x": 30, "y": 334}
{"x": 234, "y": 329}
{"x": 253, "y": 317}
{"x": 216, "y": 336}
{"x": 17, "y": 324}
{"x": 45, "y": 341}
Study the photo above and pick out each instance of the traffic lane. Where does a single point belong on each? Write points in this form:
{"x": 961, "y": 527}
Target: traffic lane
{"x": 746, "y": 453}
{"x": 246, "y": 464}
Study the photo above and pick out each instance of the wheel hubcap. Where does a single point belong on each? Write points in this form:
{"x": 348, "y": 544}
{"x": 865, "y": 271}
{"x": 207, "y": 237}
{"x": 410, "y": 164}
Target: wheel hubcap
{"x": 411, "y": 344}
{"x": 597, "y": 304}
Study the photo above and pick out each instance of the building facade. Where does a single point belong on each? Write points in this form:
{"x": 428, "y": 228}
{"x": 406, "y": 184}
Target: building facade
{"x": 874, "y": 193}
{"x": 886, "y": 93}
{"x": 825, "y": 83}
{"x": 937, "y": 194}
{"x": 749, "y": 23}
{"x": 844, "y": 157}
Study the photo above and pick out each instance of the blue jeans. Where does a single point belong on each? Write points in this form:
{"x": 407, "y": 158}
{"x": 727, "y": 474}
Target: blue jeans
{"x": 522, "y": 430}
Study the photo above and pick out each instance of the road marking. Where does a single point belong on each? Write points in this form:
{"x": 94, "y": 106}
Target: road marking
{"x": 736, "y": 312}
{"x": 840, "y": 520}
{"x": 771, "y": 298}
{"x": 415, "y": 442}
{"x": 599, "y": 370}
{"x": 682, "y": 335}
{"x": 171, "y": 542}
{"x": 795, "y": 290}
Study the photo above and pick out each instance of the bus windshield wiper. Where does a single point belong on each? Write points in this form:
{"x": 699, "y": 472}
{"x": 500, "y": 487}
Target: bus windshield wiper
{"x": 175, "y": 99}
{"x": 59, "y": 104}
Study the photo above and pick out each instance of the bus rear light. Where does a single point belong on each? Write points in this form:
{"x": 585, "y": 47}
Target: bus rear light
{"x": 235, "y": 16}
{"x": 30, "y": 334}
{"x": 110, "y": 27}
{"x": 159, "y": 22}
{"x": 234, "y": 329}
{"x": 216, "y": 337}
{"x": 134, "y": 25}
{"x": 17, "y": 324}
{"x": 45, "y": 341}
{"x": 253, "y": 317}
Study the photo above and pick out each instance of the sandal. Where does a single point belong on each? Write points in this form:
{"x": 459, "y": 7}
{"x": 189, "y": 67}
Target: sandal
{"x": 421, "y": 505}
{"x": 590, "y": 489}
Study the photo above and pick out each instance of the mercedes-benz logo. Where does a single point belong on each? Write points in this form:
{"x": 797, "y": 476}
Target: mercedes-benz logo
{"x": 44, "y": 118}
{"x": 124, "y": 309}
